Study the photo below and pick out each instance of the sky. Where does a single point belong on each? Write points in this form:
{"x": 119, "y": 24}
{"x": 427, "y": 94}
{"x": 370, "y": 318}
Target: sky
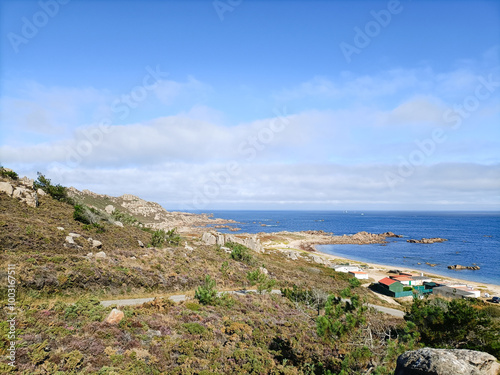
{"x": 252, "y": 104}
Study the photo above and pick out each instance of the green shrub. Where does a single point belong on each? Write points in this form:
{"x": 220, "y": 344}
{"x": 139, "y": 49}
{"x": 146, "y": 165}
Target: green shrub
{"x": 170, "y": 237}
{"x": 261, "y": 280}
{"x": 6, "y": 173}
{"x": 354, "y": 282}
{"x": 194, "y": 328}
{"x": 407, "y": 288}
{"x": 124, "y": 218}
{"x": 239, "y": 252}
{"x": 459, "y": 323}
{"x": 57, "y": 192}
{"x": 87, "y": 215}
{"x": 207, "y": 294}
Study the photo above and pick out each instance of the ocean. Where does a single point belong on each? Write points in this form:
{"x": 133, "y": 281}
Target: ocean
{"x": 473, "y": 237}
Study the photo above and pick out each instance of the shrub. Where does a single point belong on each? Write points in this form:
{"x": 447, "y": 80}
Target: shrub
{"x": 86, "y": 215}
{"x": 207, "y": 294}
{"x": 6, "y": 173}
{"x": 354, "y": 282}
{"x": 458, "y": 323}
{"x": 194, "y": 328}
{"x": 124, "y": 218}
{"x": 170, "y": 237}
{"x": 239, "y": 252}
{"x": 57, "y": 192}
{"x": 263, "y": 282}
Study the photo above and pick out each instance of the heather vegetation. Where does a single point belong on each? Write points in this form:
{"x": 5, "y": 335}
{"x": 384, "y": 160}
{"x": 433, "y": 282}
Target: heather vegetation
{"x": 320, "y": 324}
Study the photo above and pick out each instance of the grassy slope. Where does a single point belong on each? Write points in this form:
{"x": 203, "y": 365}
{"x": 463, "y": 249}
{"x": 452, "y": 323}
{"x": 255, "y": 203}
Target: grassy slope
{"x": 263, "y": 334}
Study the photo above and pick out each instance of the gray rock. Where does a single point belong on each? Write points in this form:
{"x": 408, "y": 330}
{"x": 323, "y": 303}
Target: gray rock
{"x": 110, "y": 209}
{"x": 41, "y": 193}
{"x": 26, "y": 195}
{"x": 96, "y": 244}
{"x": 74, "y": 235}
{"x": 264, "y": 270}
{"x": 6, "y": 188}
{"x": 118, "y": 224}
{"x": 140, "y": 243}
{"x": 101, "y": 254}
{"x": 70, "y": 240}
{"x": 429, "y": 361}
{"x": 209, "y": 238}
{"x": 60, "y": 228}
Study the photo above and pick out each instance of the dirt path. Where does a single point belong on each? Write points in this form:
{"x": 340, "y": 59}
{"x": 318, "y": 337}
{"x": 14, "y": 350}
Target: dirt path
{"x": 241, "y": 292}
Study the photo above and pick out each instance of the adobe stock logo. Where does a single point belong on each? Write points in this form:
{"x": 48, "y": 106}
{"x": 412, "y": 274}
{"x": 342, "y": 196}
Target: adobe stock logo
{"x": 363, "y": 38}
{"x": 30, "y": 27}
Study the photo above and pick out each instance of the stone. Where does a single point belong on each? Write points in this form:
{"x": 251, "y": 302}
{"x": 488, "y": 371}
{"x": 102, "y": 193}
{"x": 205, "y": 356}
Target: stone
{"x": 6, "y": 188}
{"x": 226, "y": 249}
{"x": 427, "y": 240}
{"x": 109, "y": 209}
{"x": 41, "y": 193}
{"x": 114, "y": 317}
{"x": 26, "y": 195}
{"x": 460, "y": 267}
{"x": 317, "y": 259}
{"x": 209, "y": 238}
{"x": 187, "y": 247}
{"x": 292, "y": 255}
{"x": 264, "y": 270}
{"x": 70, "y": 240}
{"x": 140, "y": 243}
{"x": 60, "y": 228}
{"x": 101, "y": 254}
{"x": 90, "y": 255}
{"x": 427, "y": 361}
{"x": 118, "y": 224}
{"x": 96, "y": 244}
{"x": 74, "y": 235}
{"x": 28, "y": 182}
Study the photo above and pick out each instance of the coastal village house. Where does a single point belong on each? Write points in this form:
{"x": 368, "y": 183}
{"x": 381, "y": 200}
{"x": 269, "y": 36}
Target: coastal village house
{"x": 390, "y": 287}
{"x": 456, "y": 291}
{"x": 347, "y": 269}
{"x": 359, "y": 274}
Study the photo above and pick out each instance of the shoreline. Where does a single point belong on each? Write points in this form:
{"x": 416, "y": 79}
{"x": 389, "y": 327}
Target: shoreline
{"x": 306, "y": 243}
{"x": 381, "y": 270}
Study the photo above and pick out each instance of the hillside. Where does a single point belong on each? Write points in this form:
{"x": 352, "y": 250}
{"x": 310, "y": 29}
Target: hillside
{"x": 64, "y": 267}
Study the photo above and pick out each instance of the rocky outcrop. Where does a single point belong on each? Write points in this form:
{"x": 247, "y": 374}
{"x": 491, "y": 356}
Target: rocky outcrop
{"x": 151, "y": 214}
{"x": 216, "y": 238}
{"x": 427, "y": 240}
{"x": 429, "y": 361}
{"x": 460, "y": 267}
{"x": 21, "y": 189}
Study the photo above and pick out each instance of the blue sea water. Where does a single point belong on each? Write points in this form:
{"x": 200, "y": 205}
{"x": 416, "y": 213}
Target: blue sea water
{"x": 473, "y": 237}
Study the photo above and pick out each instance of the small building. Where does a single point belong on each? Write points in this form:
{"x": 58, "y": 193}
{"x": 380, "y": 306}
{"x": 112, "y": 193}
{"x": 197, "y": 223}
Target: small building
{"x": 392, "y": 288}
{"x": 405, "y": 280}
{"x": 420, "y": 280}
{"x": 451, "y": 291}
{"x": 359, "y": 275}
{"x": 347, "y": 269}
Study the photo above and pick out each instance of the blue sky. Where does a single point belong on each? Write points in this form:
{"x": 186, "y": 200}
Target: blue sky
{"x": 257, "y": 104}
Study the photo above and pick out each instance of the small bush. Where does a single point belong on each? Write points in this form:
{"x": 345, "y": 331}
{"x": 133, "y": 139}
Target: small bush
{"x": 239, "y": 252}
{"x": 170, "y": 237}
{"x": 57, "y": 192}
{"x": 354, "y": 282}
{"x": 10, "y": 174}
{"x": 194, "y": 328}
{"x": 86, "y": 215}
{"x": 207, "y": 294}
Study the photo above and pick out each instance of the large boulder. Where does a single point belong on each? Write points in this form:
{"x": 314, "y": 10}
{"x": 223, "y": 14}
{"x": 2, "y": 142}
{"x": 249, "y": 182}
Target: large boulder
{"x": 429, "y": 361}
{"x": 7, "y": 188}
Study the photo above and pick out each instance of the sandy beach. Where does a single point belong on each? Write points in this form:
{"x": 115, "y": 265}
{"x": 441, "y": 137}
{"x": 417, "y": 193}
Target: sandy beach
{"x": 304, "y": 242}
